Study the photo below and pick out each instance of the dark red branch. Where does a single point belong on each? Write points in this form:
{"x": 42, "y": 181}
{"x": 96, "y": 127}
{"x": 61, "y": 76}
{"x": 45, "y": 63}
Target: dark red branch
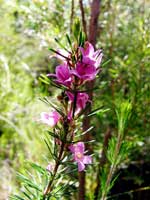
{"x": 95, "y": 11}
{"x": 81, "y": 191}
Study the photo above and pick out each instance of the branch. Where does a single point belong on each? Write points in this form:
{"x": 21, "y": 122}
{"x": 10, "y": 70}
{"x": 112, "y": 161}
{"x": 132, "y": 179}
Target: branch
{"x": 49, "y": 187}
{"x": 83, "y": 17}
{"x": 72, "y": 15}
{"x": 113, "y": 167}
{"x": 95, "y": 11}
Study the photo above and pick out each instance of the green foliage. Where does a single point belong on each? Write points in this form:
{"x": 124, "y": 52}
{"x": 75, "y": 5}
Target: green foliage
{"x": 118, "y": 149}
{"x": 123, "y": 112}
{"x": 27, "y": 28}
{"x": 79, "y": 36}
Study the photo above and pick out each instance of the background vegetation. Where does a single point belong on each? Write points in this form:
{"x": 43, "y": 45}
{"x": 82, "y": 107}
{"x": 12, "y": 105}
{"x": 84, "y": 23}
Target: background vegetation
{"x": 27, "y": 29}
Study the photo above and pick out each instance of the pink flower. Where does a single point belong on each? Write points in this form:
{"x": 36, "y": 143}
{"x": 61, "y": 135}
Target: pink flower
{"x": 78, "y": 155}
{"x": 63, "y": 75}
{"x": 87, "y": 69}
{"x": 89, "y": 56}
{"x": 85, "y": 72}
{"x": 50, "y": 119}
{"x": 82, "y": 99}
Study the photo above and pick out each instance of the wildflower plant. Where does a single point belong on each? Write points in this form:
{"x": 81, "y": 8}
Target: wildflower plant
{"x": 79, "y": 65}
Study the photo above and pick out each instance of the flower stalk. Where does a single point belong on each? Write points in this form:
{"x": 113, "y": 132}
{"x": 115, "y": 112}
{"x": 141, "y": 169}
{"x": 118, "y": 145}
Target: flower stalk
{"x": 49, "y": 187}
{"x": 77, "y": 68}
{"x": 123, "y": 113}
{"x": 112, "y": 168}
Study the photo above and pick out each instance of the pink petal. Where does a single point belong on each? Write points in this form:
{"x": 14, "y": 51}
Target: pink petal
{"x": 56, "y": 116}
{"x": 77, "y": 148}
{"x": 88, "y": 49}
{"x": 46, "y": 119}
{"x": 88, "y": 61}
{"x": 82, "y": 100}
{"x": 84, "y": 71}
{"x": 70, "y": 96}
{"x": 72, "y": 148}
{"x": 62, "y": 72}
{"x": 44, "y": 116}
{"x": 89, "y": 56}
{"x": 63, "y": 75}
{"x": 50, "y": 119}
{"x": 80, "y": 147}
{"x": 81, "y": 166}
{"x": 98, "y": 57}
{"x": 87, "y": 159}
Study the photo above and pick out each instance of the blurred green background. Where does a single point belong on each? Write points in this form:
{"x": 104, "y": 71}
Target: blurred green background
{"x": 27, "y": 29}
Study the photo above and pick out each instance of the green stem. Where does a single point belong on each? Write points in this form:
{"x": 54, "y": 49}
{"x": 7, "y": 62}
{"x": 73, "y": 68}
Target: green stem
{"x": 113, "y": 167}
{"x": 49, "y": 187}
{"x": 60, "y": 157}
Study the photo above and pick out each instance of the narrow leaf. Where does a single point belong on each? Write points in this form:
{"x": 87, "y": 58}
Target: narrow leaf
{"x": 61, "y": 45}
{"x": 98, "y": 110}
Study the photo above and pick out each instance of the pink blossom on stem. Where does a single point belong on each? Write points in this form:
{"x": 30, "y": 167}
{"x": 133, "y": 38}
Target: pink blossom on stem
{"x": 50, "y": 119}
{"x": 63, "y": 75}
{"x": 82, "y": 99}
{"x": 90, "y": 56}
{"x": 85, "y": 72}
{"x": 78, "y": 155}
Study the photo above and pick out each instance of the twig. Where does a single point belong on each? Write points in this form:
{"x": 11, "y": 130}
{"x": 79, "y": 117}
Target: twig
{"x": 81, "y": 190}
{"x": 113, "y": 167}
{"x": 72, "y": 15}
{"x": 95, "y": 11}
{"x": 83, "y": 17}
{"x": 49, "y": 187}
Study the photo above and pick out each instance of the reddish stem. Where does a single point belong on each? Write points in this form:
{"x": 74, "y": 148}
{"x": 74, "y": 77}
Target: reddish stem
{"x": 95, "y": 11}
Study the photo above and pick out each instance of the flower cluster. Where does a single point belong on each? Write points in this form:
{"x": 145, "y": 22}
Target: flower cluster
{"x": 77, "y": 67}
